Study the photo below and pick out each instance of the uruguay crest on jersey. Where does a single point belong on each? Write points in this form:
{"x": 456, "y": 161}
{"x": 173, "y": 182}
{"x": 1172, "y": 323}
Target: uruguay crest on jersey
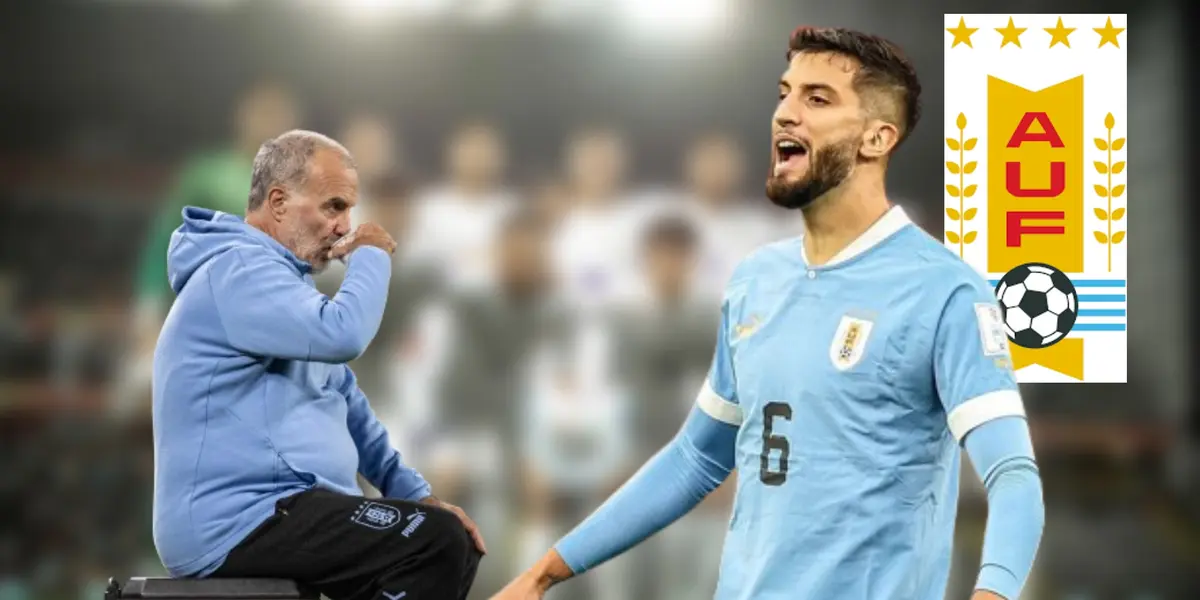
{"x": 849, "y": 342}
{"x": 1035, "y": 128}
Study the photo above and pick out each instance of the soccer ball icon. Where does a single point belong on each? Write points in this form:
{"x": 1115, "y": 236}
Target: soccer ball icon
{"x": 1038, "y": 303}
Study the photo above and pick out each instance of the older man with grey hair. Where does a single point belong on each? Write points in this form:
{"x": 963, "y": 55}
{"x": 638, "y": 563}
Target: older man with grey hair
{"x": 260, "y": 427}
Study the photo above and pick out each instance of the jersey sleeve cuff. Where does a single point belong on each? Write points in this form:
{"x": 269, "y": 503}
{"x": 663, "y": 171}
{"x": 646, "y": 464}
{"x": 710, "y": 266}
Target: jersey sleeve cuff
{"x": 983, "y": 408}
{"x": 567, "y": 550}
{"x": 717, "y": 407}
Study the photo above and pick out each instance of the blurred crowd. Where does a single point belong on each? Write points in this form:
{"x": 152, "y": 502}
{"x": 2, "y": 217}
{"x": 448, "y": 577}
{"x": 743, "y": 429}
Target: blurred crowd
{"x": 547, "y": 328}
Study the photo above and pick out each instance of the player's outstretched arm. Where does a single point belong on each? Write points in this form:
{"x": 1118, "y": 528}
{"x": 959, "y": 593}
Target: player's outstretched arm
{"x": 672, "y": 483}
{"x": 1002, "y": 454}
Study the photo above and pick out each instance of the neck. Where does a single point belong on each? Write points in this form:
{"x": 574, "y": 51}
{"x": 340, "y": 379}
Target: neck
{"x": 671, "y": 296}
{"x": 471, "y": 188}
{"x": 835, "y": 220}
{"x": 258, "y": 220}
{"x": 714, "y": 201}
{"x": 261, "y": 221}
{"x": 593, "y": 195}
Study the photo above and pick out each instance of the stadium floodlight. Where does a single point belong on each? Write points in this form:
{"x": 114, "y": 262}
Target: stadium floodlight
{"x": 684, "y": 17}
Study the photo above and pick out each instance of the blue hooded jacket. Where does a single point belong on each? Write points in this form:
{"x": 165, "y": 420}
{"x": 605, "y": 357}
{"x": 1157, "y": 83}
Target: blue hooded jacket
{"x": 253, "y": 401}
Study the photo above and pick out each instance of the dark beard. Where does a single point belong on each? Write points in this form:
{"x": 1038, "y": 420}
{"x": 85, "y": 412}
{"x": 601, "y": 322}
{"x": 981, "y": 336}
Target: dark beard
{"x": 828, "y": 168}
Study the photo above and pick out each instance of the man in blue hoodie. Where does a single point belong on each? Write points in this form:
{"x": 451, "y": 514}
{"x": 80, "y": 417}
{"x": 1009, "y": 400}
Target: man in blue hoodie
{"x": 260, "y": 427}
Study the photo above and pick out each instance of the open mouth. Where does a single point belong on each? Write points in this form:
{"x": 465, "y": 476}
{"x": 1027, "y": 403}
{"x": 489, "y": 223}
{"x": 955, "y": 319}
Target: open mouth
{"x": 789, "y": 154}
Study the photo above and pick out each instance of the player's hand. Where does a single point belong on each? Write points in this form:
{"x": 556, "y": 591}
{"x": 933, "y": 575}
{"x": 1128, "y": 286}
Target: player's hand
{"x": 532, "y": 584}
{"x": 524, "y": 587}
{"x": 986, "y": 595}
{"x": 472, "y": 528}
{"x": 367, "y": 234}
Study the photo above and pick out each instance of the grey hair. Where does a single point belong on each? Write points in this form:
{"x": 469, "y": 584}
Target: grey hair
{"x": 284, "y": 161}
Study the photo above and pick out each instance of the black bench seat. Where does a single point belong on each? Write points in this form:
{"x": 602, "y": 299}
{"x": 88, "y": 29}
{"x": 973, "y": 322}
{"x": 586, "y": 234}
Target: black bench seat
{"x": 163, "y": 588}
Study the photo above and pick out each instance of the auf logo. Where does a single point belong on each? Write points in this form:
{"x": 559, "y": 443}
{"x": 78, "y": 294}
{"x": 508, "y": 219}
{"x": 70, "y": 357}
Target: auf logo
{"x": 396, "y": 596}
{"x": 376, "y": 516}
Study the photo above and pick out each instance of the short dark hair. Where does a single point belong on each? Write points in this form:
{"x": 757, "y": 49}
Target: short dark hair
{"x": 673, "y": 232}
{"x": 885, "y": 69}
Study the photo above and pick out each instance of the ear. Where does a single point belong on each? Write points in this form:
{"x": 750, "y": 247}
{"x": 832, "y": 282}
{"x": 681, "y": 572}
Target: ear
{"x": 879, "y": 139}
{"x": 276, "y": 203}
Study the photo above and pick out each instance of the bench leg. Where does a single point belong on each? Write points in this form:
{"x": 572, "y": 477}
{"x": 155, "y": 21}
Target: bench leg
{"x": 113, "y": 591}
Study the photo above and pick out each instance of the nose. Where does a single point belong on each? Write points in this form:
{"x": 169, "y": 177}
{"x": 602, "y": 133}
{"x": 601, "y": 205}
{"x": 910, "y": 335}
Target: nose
{"x": 787, "y": 113}
{"x": 342, "y": 226}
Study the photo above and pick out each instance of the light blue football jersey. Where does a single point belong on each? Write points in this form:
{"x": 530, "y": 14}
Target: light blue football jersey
{"x": 853, "y": 384}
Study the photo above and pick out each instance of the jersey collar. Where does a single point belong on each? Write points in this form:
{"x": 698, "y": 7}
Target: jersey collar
{"x": 892, "y": 221}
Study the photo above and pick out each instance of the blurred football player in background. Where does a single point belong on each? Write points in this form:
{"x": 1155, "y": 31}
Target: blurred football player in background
{"x": 662, "y": 339}
{"x": 596, "y": 236}
{"x": 375, "y": 144}
{"x": 729, "y": 225}
{"x": 484, "y": 340}
{"x": 456, "y": 221}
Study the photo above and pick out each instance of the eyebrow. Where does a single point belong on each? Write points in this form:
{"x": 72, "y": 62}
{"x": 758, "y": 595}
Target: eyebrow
{"x": 810, "y": 87}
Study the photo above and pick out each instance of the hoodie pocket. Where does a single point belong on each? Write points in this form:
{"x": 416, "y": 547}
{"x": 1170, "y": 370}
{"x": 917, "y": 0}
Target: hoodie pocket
{"x": 264, "y": 528}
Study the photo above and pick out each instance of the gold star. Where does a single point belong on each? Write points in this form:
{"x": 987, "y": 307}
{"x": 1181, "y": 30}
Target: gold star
{"x": 1058, "y": 34}
{"x": 1108, "y": 34}
{"x": 1011, "y": 33}
{"x": 962, "y": 33}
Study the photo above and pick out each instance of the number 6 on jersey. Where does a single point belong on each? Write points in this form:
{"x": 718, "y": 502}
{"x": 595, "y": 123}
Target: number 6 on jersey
{"x": 771, "y": 411}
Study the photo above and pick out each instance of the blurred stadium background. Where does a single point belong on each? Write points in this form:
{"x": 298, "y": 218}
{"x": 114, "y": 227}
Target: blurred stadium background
{"x": 570, "y": 181}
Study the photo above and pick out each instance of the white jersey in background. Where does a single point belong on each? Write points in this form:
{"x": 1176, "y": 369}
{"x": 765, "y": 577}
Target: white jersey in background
{"x": 457, "y": 234}
{"x": 595, "y": 252}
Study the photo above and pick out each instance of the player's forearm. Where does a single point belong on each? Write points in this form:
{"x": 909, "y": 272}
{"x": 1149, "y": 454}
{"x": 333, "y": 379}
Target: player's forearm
{"x": 1014, "y": 528}
{"x": 1002, "y": 453}
{"x": 666, "y": 488}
